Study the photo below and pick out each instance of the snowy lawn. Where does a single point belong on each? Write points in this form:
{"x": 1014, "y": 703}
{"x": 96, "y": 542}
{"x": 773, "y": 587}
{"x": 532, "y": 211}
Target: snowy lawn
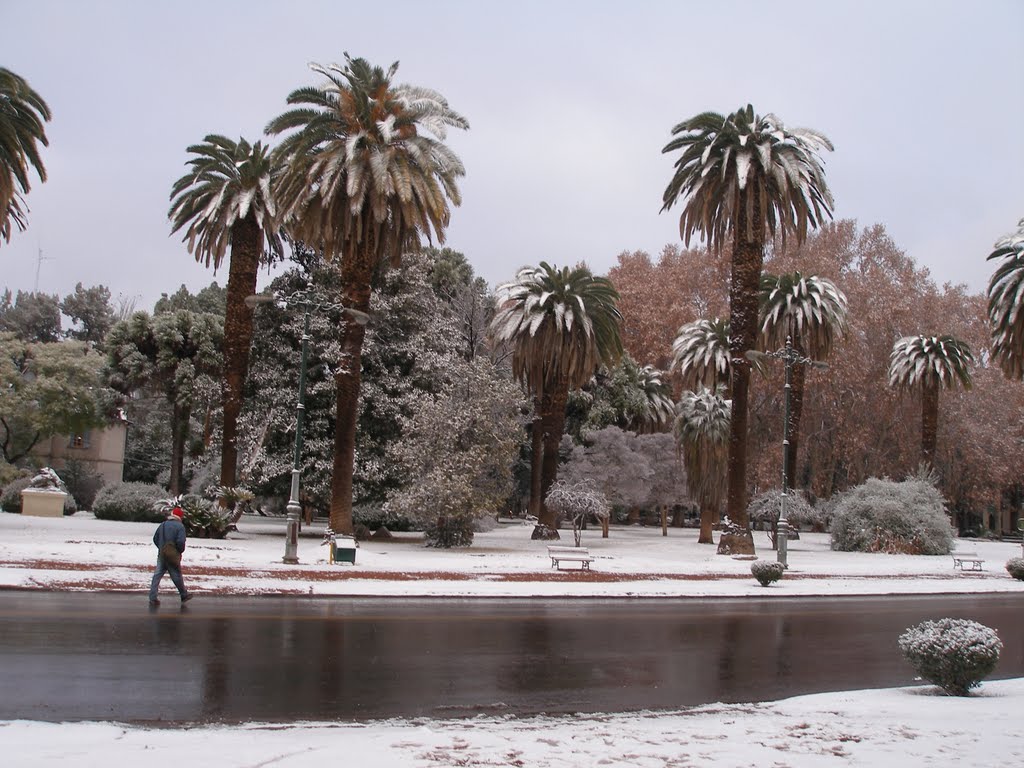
{"x": 83, "y": 553}
{"x": 894, "y": 727}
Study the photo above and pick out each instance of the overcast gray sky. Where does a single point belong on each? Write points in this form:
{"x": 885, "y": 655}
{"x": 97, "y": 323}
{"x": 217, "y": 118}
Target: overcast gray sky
{"x": 569, "y": 105}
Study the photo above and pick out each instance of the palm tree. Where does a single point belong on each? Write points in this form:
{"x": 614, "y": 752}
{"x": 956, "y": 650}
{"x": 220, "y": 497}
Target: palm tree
{"x": 700, "y": 353}
{"x": 930, "y": 363}
{"x": 745, "y": 178}
{"x": 1006, "y": 304}
{"x": 225, "y": 199}
{"x": 702, "y": 436}
{"x": 366, "y": 175}
{"x": 561, "y": 324}
{"x": 810, "y": 311}
{"x": 22, "y": 114}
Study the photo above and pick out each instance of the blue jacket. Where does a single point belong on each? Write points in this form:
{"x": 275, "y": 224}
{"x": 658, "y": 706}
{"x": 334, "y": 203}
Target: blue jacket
{"x": 170, "y": 530}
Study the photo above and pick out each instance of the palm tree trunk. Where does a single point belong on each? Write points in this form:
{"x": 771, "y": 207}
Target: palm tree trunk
{"x": 554, "y": 426}
{"x": 356, "y": 279}
{"x": 707, "y": 519}
{"x": 179, "y": 433}
{"x": 536, "y": 457}
{"x": 747, "y": 261}
{"x": 796, "y": 409}
{"x": 929, "y": 421}
{"x": 245, "y": 260}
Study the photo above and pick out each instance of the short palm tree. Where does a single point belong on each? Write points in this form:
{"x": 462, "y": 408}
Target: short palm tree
{"x": 702, "y": 436}
{"x": 656, "y": 408}
{"x": 561, "y": 325}
{"x": 745, "y": 178}
{"x": 930, "y": 363}
{"x": 225, "y": 200}
{"x": 700, "y": 353}
{"x": 1006, "y": 304}
{"x": 22, "y": 114}
{"x": 810, "y": 311}
{"x": 366, "y": 175}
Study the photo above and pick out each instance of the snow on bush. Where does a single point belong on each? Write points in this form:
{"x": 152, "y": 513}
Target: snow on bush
{"x": 129, "y": 502}
{"x": 767, "y": 571}
{"x": 896, "y": 518}
{"x": 1015, "y": 567}
{"x": 766, "y": 507}
{"x": 450, "y": 531}
{"x": 954, "y": 654}
{"x": 203, "y": 519}
{"x": 10, "y": 499}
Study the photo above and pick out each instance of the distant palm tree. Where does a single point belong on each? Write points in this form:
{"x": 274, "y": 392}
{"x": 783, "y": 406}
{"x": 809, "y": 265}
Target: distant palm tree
{"x": 561, "y": 325}
{"x": 22, "y": 114}
{"x": 700, "y": 353}
{"x": 1006, "y": 304}
{"x": 366, "y": 175}
{"x": 930, "y": 363}
{"x": 656, "y": 408}
{"x": 745, "y": 178}
{"x": 225, "y": 199}
{"x": 811, "y": 311}
{"x": 702, "y": 435}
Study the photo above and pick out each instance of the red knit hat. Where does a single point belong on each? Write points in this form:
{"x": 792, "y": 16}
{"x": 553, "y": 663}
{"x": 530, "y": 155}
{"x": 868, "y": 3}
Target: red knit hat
{"x": 178, "y": 513}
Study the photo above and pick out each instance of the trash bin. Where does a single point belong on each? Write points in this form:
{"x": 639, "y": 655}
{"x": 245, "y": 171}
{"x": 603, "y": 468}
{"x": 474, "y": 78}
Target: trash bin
{"x": 343, "y": 550}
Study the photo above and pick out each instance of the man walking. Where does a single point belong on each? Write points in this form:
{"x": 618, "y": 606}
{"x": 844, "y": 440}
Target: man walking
{"x": 170, "y": 543}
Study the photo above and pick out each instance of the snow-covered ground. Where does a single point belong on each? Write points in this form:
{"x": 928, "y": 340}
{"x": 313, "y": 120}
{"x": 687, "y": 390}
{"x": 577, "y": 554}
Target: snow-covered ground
{"x": 895, "y": 727}
{"x": 83, "y": 553}
{"x": 860, "y": 728}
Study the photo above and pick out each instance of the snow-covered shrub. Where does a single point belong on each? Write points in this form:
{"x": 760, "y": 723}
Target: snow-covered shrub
{"x": 10, "y": 499}
{"x": 203, "y": 519}
{"x": 373, "y": 516}
{"x": 1015, "y": 567}
{"x": 450, "y": 531}
{"x": 577, "y": 501}
{"x": 954, "y": 654}
{"x": 896, "y": 518}
{"x": 767, "y": 571}
{"x": 82, "y": 483}
{"x": 129, "y": 502}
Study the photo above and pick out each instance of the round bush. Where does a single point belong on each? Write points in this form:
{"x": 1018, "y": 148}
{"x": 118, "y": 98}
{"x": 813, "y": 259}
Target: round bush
{"x": 895, "y": 518}
{"x": 10, "y": 499}
{"x": 1015, "y": 567}
{"x": 954, "y": 654}
{"x": 765, "y": 508}
{"x": 767, "y": 571}
{"x": 129, "y": 502}
{"x": 450, "y": 531}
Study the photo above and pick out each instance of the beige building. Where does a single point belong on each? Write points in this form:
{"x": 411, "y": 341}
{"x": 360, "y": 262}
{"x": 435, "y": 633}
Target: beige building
{"x": 102, "y": 450}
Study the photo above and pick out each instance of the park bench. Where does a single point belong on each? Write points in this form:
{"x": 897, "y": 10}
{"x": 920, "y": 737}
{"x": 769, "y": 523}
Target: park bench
{"x": 959, "y": 558}
{"x": 561, "y": 555}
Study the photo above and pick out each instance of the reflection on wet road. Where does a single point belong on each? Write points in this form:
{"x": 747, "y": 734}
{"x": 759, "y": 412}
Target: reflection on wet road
{"x": 98, "y": 657}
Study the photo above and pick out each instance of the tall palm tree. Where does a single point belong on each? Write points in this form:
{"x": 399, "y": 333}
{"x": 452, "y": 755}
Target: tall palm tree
{"x": 700, "y": 353}
{"x": 810, "y": 311}
{"x": 702, "y": 435}
{"x": 1006, "y": 304}
{"x": 225, "y": 200}
{"x": 22, "y": 114}
{"x": 745, "y": 178}
{"x": 930, "y": 363}
{"x": 561, "y": 324}
{"x": 366, "y": 175}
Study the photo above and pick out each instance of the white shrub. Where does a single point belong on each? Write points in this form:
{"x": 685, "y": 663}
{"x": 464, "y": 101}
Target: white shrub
{"x": 954, "y": 654}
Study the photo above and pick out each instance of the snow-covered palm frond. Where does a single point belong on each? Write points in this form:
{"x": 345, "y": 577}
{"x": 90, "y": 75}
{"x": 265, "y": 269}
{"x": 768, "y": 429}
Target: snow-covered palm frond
{"x": 700, "y": 353}
{"x": 809, "y": 309}
{"x": 781, "y": 165}
{"x": 930, "y": 361}
{"x": 23, "y": 113}
{"x": 561, "y": 324}
{"x": 701, "y": 430}
{"x": 1006, "y": 304}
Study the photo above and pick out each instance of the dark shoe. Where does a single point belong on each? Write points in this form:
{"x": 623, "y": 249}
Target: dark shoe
{"x": 186, "y": 598}
{"x": 154, "y": 603}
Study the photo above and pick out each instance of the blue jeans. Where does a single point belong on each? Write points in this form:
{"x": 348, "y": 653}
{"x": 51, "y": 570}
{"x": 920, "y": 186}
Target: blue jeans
{"x": 174, "y": 571}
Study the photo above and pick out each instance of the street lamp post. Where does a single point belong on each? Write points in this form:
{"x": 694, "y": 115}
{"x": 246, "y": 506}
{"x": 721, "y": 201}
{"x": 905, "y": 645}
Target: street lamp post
{"x": 789, "y": 356}
{"x": 294, "y": 507}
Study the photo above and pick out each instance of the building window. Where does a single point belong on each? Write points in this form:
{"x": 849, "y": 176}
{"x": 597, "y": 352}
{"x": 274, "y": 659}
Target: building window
{"x": 80, "y": 440}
